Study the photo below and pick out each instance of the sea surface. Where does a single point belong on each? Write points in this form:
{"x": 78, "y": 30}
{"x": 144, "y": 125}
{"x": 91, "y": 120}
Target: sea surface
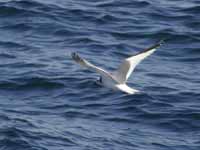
{"x": 47, "y": 102}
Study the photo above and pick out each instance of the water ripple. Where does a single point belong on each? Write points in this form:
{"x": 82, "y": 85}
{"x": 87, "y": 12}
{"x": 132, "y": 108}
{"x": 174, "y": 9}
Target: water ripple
{"x": 49, "y": 102}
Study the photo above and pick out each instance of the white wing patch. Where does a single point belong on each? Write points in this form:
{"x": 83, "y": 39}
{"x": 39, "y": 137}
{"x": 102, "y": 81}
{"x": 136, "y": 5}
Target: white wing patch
{"x": 90, "y": 66}
{"x": 128, "y": 65}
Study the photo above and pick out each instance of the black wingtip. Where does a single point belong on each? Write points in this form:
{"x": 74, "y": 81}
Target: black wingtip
{"x": 161, "y": 42}
{"x": 73, "y": 54}
{"x": 76, "y": 57}
{"x": 157, "y": 45}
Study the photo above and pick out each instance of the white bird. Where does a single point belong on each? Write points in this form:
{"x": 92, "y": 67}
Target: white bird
{"x": 117, "y": 80}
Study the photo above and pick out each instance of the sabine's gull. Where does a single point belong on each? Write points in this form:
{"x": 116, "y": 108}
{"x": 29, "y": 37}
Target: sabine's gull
{"x": 117, "y": 79}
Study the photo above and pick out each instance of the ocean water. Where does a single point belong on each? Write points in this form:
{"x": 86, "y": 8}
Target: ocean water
{"x": 47, "y": 102}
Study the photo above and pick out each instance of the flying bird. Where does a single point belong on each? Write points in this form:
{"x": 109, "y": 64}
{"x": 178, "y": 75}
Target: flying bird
{"x": 117, "y": 79}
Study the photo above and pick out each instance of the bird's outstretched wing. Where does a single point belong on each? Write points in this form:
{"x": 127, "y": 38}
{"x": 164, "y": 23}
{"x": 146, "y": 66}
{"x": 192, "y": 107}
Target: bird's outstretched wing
{"x": 129, "y": 64}
{"x": 90, "y": 66}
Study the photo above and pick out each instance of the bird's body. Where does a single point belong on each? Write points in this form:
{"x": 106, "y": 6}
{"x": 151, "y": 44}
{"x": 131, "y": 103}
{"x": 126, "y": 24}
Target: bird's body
{"x": 113, "y": 84}
{"x": 117, "y": 80}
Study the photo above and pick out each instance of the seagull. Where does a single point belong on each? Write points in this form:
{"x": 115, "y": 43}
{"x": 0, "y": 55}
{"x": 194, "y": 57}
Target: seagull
{"x": 117, "y": 79}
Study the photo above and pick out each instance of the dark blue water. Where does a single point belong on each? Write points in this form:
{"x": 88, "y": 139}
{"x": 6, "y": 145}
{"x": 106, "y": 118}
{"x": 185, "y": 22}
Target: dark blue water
{"x": 47, "y": 102}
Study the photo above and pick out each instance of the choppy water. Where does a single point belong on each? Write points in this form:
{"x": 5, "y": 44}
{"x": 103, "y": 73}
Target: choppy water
{"x": 47, "y": 102}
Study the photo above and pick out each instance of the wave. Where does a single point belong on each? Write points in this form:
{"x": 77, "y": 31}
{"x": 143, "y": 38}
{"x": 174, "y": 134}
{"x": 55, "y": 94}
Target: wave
{"x": 12, "y": 44}
{"x": 192, "y": 10}
{"x": 9, "y": 56}
{"x": 17, "y": 27}
{"x": 22, "y": 65}
{"x": 13, "y": 136}
{"x": 30, "y": 83}
{"x": 11, "y": 11}
{"x": 111, "y": 4}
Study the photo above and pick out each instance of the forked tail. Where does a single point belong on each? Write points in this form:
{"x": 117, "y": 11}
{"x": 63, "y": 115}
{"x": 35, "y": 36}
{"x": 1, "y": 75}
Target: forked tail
{"x": 126, "y": 89}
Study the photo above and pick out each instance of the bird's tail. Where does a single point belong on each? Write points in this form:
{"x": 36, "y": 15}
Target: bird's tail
{"x": 126, "y": 89}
